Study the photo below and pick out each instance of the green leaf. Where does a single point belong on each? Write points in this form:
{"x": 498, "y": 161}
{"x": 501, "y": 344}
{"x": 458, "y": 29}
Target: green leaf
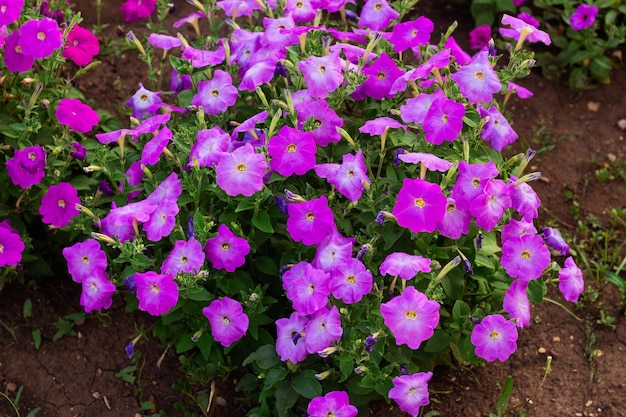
{"x": 536, "y": 290}
{"x": 274, "y": 376}
{"x": 307, "y": 385}
{"x": 37, "y": 338}
{"x": 460, "y": 311}
{"x": 286, "y": 397}
{"x": 247, "y": 204}
{"x": 439, "y": 342}
{"x": 125, "y": 374}
{"x": 265, "y": 357}
{"x": 615, "y": 279}
{"x": 197, "y": 294}
{"x": 34, "y": 412}
{"x": 266, "y": 265}
{"x": 503, "y": 400}
{"x": 27, "y": 310}
{"x": 262, "y": 222}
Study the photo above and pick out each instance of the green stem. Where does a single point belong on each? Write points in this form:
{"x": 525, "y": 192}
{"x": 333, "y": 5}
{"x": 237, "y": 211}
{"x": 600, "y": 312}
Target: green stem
{"x": 567, "y": 310}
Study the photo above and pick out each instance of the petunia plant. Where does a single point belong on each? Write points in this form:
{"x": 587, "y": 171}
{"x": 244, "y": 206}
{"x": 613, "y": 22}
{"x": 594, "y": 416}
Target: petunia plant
{"x": 317, "y": 202}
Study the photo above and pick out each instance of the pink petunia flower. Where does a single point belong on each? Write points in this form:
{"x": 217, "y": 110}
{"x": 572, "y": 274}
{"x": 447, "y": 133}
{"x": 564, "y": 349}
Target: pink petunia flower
{"x": 153, "y": 149}
{"x": 306, "y": 287}
{"x": 410, "y": 34}
{"x": 521, "y": 29}
{"x": 403, "y": 265}
{"x": 291, "y": 339}
{"x": 144, "y": 102}
{"x": 40, "y": 38}
{"x": 480, "y": 36}
{"x": 157, "y": 293}
{"x": 217, "y": 94}
{"x": 335, "y": 404}
{"x": 14, "y": 57}
{"x": 420, "y": 205}
{"x": 323, "y": 329}
{"x": 210, "y": 144}
{"x": 382, "y": 73}
{"x": 81, "y": 46}
{"x": 583, "y": 17}
{"x": 497, "y": 130}
{"x": 162, "y": 220}
{"x": 333, "y": 251}
{"x": 456, "y": 220}
{"x": 77, "y": 115}
{"x": 516, "y": 303}
{"x": 494, "y": 338}
{"x": 11, "y": 245}
{"x": 323, "y": 75}
{"x": 444, "y": 121}
{"x": 350, "y": 281}
{"x": 97, "y": 291}
{"x": 349, "y": 178}
{"x": 555, "y": 241}
{"x": 310, "y": 222}
{"x": 478, "y": 81}
{"x": 10, "y": 11}
{"x": 571, "y": 281}
{"x": 58, "y": 205}
{"x": 228, "y": 321}
{"x": 525, "y": 257}
{"x": 187, "y": 257}
{"x": 471, "y": 182}
{"x": 83, "y": 257}
{"x": 410, "y": 392}
{"x": 325, "y": 121}
{"x": 225, "y": 250}
{"x": 28, "y": 166}
{"x": 411, "y": 317}
{"x": 241, "y": 171}
{"x": 376, "y": 15}
{"x": 489, "y": 207}
{"x": 134, "y": 10}
{"x": 292, "y": 151}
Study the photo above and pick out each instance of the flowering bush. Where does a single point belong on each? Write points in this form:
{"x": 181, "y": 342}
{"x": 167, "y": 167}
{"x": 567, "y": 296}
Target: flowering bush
{"x": 322, "y": 205}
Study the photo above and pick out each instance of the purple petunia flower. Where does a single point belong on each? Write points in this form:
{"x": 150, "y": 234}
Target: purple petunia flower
{"x": 119, "y": 222}
{"x": 210, "y": 144}
{"x": 335, "y": 404}
{"x": 84, "y": 257}
{"x": 301, "y": 11}
{"x": 157, "y": 293}
{"x": 516, "y": 303}
{"x": 349, "y": 177}
{"x": 165, "y": 42}
{"x": 143, "y": 102}
{"x": 410, "y": 392}
{"x": 162, "y": 220}
{"x": 462, "y": 57}
{"x": 153, "y": 149}
{"x": 333, "y": 251}
{"x": 471, "y": 182}
{"x": 228, "y": 321}
{"x": 10, "y": 243}
{"x": 444, "y": 121}
{"x": 81, "y": 46}
{"x": 382, "y": 74}
{"x": 291, "y": 339}
{"x": 58, "y": 205}
{"x": 79, "y": 152}
{"x": 187, "y": 257}
{"x": 217, "y": 94}
{"x": 14, "y": 57}
{"x": 28, "y": 166}
{"x": 584, "y": 16}
{"x": 494, "y": 338}
{"x": 480, "y": 36}
{"x": 292, "y": 151}
{"x": 524, "y": 30}
{"x": 416, "y": 108}
{"x": 571, "y": 281}
{"x": 241, "y": 171}
{"x": 376, "y": 15}
{"x": 323, "y": 329}
{"x": 420, "y": 205}
{"x": 77, "y": 115}
{"x": 430, "y": 161}
{"x": 225, "y": 250}
{"x": 350, "y": 281}
{"x": 322, "y": 74}
{"x": 40, "y": 38}
{"x": 324, "y": 118}
{"x": 489, "y": 206}
{"x": 410, "y": 34}
{"x": 517, "y": 228}
{"x": 97, "y": 291}
{"x": 379, "y": 125}
{"x": 411, "y": 317}
{"x": 10, "y": 11}
{"x": 525, "y": 257}
{"x": 555, "y": 241}
{"x": 134, "y": 10}
{"x": 497, "y": 130}
{"x": 307, "y": 288}
{"x": 478, "y": 81}
{"x": 456, "y": 220}
{"x": 310, "y": 222}
{"x": 403, "y": 265}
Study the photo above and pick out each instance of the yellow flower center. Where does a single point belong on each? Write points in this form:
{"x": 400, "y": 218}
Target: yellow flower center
{"x": 526, "y": 254}
{"x": 378, "y": 6}
{"x": 494, "y": 335}
{"x": 419, "y": 202}
{"x": 411, "y": 315}
{"x": 225, "y": 246}
{"x": 352, "y": 279}
{"x": 61, "y": 203}
{"x": 322, "y": 69}
{"x": 450, "y": 208}
{"x": 226, "y": 320}
{"x": 479, "y": 75}
{"x": 241, "y": 168}
{"x": 310, "y": 216}
{"x": 86, "y": 259}
{"x": 1, "y": 248}
{"x": 32, "y": 156}
{"x": 382, "y": 76}
{"x": 155, "y": 288}
{"x": 184, "y": 259}
{"x": 41, "y": 36}
{"x": 215, "y": 93}
{"x": 291, "y": 148}
{"x": 143, "y": 97}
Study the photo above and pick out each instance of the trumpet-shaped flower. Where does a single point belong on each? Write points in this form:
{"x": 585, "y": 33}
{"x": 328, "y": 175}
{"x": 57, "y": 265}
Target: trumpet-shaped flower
{"x": 583, "y": 17}
{"x": 471, "y": 182}
{"x": 58, "y": 205}
{"x": 497, "y": 130}
{"x": 292, "y": 151}
{"x": 516, "y": 303}
{"x": 525, "y": 200}
{"x": 494, "y": 338}
{"x": 162, "y": 220}
{"x": 333, "y": 251}
{"x": 210, "y": 144}
{"x": 77, "y": 115}
{"x": 403, "y": 265}
{"x": 14, "y": 57}
{"x": 376, "y": 15}
{"x": 306, "y": 287}
{"x": 325, "y": 121}
{"x": 241, "y": 171}
{"x": 28, "y": 166}
{"x": 410, "y": 34}
{"x": 335, "y": 404}
{"x": 323, "y": 329}
{"x": 291, "y": 339}
{"x": 410, "y": 392}
{"x": 382, "y": 73}
{"x": 97, "y": 291}
{"x": 478, "y": 81}
{"x": 134, "y": 10}
{"x": 350, "y": 281}
{"x": 571, "y": 281}
{"x": 349, "y": 177}
{"x": 517, "y": 228}
{"x": 489, "y": 207}
{"x": 519, "y": 27}
{"x": 217, "y": 94}
{"x": 411, "y": 317}
{"x": 480, "y": 36}
{"x": 310, "y": 222}
{"x": 81, "y": 46}
{"x": 228, "y": 321}
{"x": 322, "y": 74}
{"x": 40, "y": 38}
{"x": 525, "y": 257}
{"x": 420, "y": 205}
{"x": 10, "y": 11}
{"x": 11, "y": 245}
{"x": 555, "y": 241}
{"x": 187, "y": 257}
{"x": 119, "y": 222}
{"x": 143, "y": 102}
{"x": 157, "y": 293}
{"x": 444, "y": 121}
{"x": 456, "y": 220}
{"x": 225, "y": 250}
{"x": 84, "y": 257}
{"x": 416, "y": 108}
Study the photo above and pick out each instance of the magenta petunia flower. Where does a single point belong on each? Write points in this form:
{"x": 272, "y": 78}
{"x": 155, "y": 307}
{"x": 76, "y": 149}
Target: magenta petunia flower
{"x": 403, "y": 265}
{"x": 516, "y": 303}
{"x": 411, "y": 317}
{"x": 430, "y": 161}
{"x": 334, "y": 6}
{"x": 144, "y": 102}
{"x": 278, "y": 32}
{"x": 200, "y": 58}
{"x": 27, "y": 167}
{"x": 236, "y": 8}
{"x": 83, "y": 257}
{"x": 350, "y": 281}
{"x": 58, "y": 205}
{"x": 40, "y": 38}
{"x": 456, "y": 220}
{"x": 228, "y": 321}
{"x": 157, "y": 293}
{"x": 416, "y": 108}
{"x": 225, "y": 250}
{"x": 10, "y": 11}
{"x": 187, "y": 257}
{"x": 525, "y": 257}
{"x": 444, "y": 121}
{"x": 555, "y": 241}
{"x": 322, "y": 74}
{"x": 119, "y": 222}
{"x": 79, "y": 151}
{"x": 410, "y": 392}
{"x": 497, "y": 130}
{"x": 307, "y": 287}
{"x": 471, "y": 182}
{"x": 210, "y": 144}
{"x": 14, "y": 57}
{"x": 217, "y": 94}
{"x": 324, "y": 119}
{"x": 165, "y": 42}
{"x": 249, "y": 125}
{"x": 490, "y": 205}
{"x": 134, "y": 10}
{"x": 310, "y": 222}
{"x": 291, "y": 339}
{"x": 571, "y": 281}
{"x": 410, "y": 34}
{"x": 462, "y": 57}
{"x": 420, "y": 205}
{"x": 379, "y": 125}
{"x": 382, "y": 73}
{"x": 292, "y": 151}
{"x": 323, "y": 329}
{"x": 480, "y": 36}
{"x": 153, "y": 149}
{"x": 333, "y": 251}
{"x": 478, "y": 81}
{"x": 241, "y": 171}
{"x": 521, "y": 92}
{"x": 517, "y": 228}
{"x": 97, "y": 291}
{"x": 376, "y": 15}
{"x": 162, "y": 220}
{"x": 335, "y": 404}
{"x": 77, "y": 115}
{"x": 81, "y": 46}
{"x": 494, "y": 338}
{"x": 258, "y": 74}
{"x": 349, "y": 177}
{"x": 170, "y": 189}
{"x": 11, "y": 245}
{"x": 301, "y": 11}
{"x": 584, "y": 16}
{"x": 519, "y": 27}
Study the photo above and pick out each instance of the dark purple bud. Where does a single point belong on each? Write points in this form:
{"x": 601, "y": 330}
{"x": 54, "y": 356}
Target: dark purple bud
{"x": 468, "y": 267}
{"x": 295, "y": 336}
{"x": 364, "y": 249}
{"x": 404, "y": 370}
{"x": 79, "y": 151}
{"x": 283, "y": 269}
{"x": 479, "y": 241}
{"x": 191, "y": 231}
{"x": 130, "y": 283}
{"x": 369, "y": 342}
{"x": 492, "y": 48}
{"x": 396, "y": 154}
{"x": 282, "y": 204}
{"x": 130, "y": 349}
{"x": 380, "y": 217}
{"x": 475, "y": 320}
{"x": 350, "y": 15}
{"x": 280, "y": 70}
{"x": 105, "y": 188}
{"x": 555, "y": 241}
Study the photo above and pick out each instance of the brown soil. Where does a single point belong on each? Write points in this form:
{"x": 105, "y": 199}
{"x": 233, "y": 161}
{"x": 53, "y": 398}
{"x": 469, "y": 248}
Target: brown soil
{"x": 575, "y": 134}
